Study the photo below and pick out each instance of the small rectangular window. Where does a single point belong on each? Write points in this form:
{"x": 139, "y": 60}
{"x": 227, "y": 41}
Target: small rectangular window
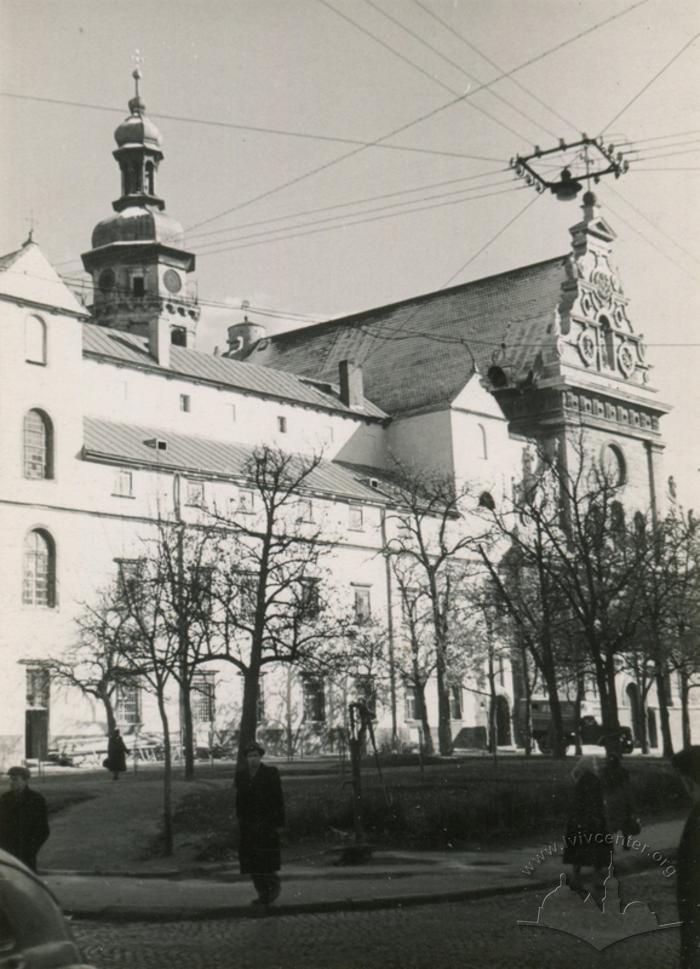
{"x": 411, "y": 706}
{"x": 203, "y": 697}
{"x": 314, "y": 699}
{"x": 232, "y": 412}
{"x": 194, "y": 493}
{"x": 138, "y": 284}
{"x": 35, "y": 340}
{"x": 185, "y": 403}
{"x": 356, "y": 518}
{"x": 363, "y": 604}
{"x": 127, "y": 708}
{"x": 123, "y": 484}
{"x": 305, "y": 510}
{"x": 282, "y": 424}
{"x": 246, "y": 502}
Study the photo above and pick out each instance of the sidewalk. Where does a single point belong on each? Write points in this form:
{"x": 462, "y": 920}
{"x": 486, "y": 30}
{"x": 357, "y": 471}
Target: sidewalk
{"x": 392, "y": 878}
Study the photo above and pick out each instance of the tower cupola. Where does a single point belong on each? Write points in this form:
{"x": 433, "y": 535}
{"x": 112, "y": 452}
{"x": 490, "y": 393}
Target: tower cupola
{"x": 140, "y": 269}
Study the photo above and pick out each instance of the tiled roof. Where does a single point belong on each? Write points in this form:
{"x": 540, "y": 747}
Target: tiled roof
{"x": 131, "y": 349}
{"x": 125, "y": 443}
{"x": 422, "y": 351}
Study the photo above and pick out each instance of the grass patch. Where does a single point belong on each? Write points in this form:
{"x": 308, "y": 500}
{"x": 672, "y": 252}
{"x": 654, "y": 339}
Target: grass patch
{"x": 452, "y": 805}
{"x": 60, "y": 800}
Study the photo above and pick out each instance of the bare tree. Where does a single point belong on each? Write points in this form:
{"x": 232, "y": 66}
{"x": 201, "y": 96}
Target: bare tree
{"x": 269, "y": 601}
{"x": 431, "y": 537}
{"x": 94, "y": 664}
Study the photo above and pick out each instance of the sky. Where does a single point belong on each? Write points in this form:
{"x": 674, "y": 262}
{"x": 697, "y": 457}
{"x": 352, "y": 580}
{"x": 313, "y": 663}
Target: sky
{"x": 328, "y": 156}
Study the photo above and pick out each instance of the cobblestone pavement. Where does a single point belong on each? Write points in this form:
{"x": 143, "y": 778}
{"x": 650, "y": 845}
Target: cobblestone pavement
{"x": 464, "y": 935}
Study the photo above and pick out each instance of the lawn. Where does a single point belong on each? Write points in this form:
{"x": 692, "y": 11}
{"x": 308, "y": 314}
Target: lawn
{"x": 457, "y": 804}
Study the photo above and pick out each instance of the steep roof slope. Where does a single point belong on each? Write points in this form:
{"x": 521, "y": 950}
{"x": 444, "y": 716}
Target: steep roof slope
{"x": 421, "y": 352}
{"x": 128, "y": 348}
{"x": 127, "y": 444}
{"x": 28, "y": 276}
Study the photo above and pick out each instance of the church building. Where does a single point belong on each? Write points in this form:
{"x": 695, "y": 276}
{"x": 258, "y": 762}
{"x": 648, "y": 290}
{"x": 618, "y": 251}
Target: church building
{"x": 112, "y": 417}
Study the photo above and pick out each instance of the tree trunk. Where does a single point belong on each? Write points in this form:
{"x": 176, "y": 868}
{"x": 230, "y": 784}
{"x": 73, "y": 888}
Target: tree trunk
{"x": 643, "y": 731}
{"x": 685, "y": 711}
{"x": 493, "y": 713}
{"x": 251, "y": 679}
{"x": 186, "y": 728}
{"x": 444, "y": 726}
{"x": 578, "y": 703}
{"x": 167, "y": 779}
{"x": 666, "y": 739}
{"x": 559, "y": 743}
{"x": 428, "y": 747}
{"x": 109, "y": 713}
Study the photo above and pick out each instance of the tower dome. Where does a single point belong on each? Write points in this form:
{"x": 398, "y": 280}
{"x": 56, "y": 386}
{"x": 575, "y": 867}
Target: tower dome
{"x": 141, "y": 271}
{"x": 138, "y": 130}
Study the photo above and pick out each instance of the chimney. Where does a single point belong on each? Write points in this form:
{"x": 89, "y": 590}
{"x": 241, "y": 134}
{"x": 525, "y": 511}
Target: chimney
{"x": 159, "y": 341}
{"x": 351, "y": 385}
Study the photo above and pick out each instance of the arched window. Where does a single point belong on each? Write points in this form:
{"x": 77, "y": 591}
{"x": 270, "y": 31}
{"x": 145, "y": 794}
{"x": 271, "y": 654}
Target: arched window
{"x": 483, "y": 442}
{"x": 486, "y": 501}
{"x": 38, "y": 445}
{"x": 614, "y": 467}
{"x": 35, "y": 340}
{"x": 39, "y": 573}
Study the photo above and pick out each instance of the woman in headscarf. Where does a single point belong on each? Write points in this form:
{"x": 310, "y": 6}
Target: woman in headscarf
{"x": 586, "y": 842}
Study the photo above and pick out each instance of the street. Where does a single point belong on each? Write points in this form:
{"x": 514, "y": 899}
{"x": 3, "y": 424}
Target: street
{"x": 464, "y": 935}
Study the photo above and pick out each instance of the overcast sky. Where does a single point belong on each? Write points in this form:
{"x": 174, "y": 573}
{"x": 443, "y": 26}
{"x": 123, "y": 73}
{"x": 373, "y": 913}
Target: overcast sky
{"x": 266, "y": 73}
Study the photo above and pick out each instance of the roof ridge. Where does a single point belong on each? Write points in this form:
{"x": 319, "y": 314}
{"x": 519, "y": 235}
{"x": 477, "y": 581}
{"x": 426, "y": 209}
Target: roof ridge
{"x": 412, "y": 300}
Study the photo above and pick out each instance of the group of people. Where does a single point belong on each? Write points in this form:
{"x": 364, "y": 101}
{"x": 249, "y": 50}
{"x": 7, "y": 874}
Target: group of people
{"x": 603, "y": 806}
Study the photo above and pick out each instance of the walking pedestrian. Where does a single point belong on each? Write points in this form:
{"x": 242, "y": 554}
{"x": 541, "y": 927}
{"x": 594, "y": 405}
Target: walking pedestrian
{"x": 116, "y": 755}
{"x": 687, "y": 762}
{"x": 620, "y": 812}
{"x": 586, "y": 843}
{"x": 24, "y": 824}
{"x": 260, "y": 813}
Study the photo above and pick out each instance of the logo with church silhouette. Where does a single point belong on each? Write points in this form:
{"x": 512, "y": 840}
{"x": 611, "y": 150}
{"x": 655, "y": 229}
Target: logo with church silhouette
{"x": 600, "y": 925}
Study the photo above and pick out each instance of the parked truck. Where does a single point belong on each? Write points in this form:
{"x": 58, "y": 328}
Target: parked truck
{"x": 589, "y": 730}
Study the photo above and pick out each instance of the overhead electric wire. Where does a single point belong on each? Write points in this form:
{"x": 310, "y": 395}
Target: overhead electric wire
{"x": 341, "y": 205}
{"x": 462, "y": 70}
{"x": 346, "y": 225}
{"x": 649, "y": 83}
{"x": 651, "y": 243}
{"x": 244, "y": 127}
{"x": 654, "y": 225}
{"x": 381, "y": 208}
{"x": 493, "y": 63}
{"x": 417, "y": 67}
{"x": 425, "y": 117}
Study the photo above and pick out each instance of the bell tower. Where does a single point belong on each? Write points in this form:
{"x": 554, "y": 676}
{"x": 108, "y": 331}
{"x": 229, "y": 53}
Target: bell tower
{"x": 141, "y": 272}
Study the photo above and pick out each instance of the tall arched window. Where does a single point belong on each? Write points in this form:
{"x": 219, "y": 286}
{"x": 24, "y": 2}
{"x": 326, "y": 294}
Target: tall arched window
{"x": 614, "y": 467}
{"x": 39, "y": 572}
{"x": 35, "y": 340}
{"x": 38, "y": 445}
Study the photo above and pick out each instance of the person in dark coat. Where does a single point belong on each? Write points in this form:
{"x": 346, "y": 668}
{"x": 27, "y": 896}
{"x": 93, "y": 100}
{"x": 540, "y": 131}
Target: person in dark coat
{"x": 687, "y": 762}
{"x": 24, "y": 824}
{"x": 116, "y": 755}
{"x": 587, "y": 844}
{"x": 260, "y": 813}
{"x": 620, "y": 812}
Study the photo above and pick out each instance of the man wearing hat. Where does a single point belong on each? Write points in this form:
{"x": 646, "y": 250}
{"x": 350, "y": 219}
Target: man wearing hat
{"x": 687, "y": 762}
{"x": 24, "y": 825}
{"x": 260, "y": 813}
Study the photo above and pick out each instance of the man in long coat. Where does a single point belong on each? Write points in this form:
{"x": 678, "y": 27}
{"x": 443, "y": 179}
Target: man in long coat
{"x": 24, "y": 825}
{"x": 260, "y": 813}
{"x": 688, "y": 863}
